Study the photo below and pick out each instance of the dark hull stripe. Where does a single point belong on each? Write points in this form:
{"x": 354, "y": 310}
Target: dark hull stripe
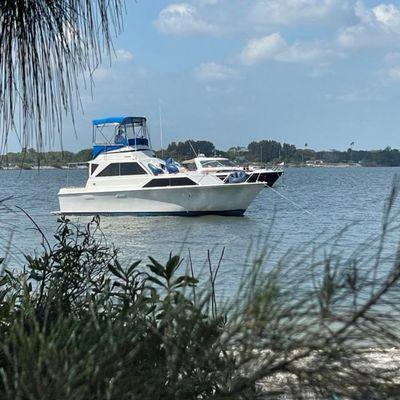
{"x": 269, "y": 178}
{"x": 233, "y": 213}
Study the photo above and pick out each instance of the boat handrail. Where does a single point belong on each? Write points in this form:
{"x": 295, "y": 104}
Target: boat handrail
{"x": 251, "y": 174}
{"x": 226, "y": 178}
{"x": 203, "y": 175}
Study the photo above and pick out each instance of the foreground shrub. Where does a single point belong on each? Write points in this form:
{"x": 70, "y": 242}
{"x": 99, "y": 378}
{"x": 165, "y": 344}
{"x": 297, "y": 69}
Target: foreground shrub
{"x": 75, "y": 324}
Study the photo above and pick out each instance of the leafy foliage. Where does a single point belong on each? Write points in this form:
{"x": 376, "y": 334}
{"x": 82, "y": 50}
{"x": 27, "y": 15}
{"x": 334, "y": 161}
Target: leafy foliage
{"x": 186, "y": 150}
{"x": 266, "y": 150}
{"x": 76, "y": 324}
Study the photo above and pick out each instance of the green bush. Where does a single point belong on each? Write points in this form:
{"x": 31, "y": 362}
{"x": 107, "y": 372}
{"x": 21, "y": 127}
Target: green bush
{"x": 75, "y": 324}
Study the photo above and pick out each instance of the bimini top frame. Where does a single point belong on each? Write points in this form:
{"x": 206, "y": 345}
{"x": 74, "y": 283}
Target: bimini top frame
{"x": 125, "y": 131}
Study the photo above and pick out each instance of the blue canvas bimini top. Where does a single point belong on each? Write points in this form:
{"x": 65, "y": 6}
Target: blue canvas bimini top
{"x": 118, "y": 120}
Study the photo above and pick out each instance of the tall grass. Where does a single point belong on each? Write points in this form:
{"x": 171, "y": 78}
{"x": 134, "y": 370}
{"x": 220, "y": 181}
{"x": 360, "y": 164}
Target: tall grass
{"x": 76, "y": 324}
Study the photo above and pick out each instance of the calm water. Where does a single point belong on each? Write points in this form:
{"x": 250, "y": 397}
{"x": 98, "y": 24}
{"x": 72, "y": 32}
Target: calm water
{"x": 327, "y": 199}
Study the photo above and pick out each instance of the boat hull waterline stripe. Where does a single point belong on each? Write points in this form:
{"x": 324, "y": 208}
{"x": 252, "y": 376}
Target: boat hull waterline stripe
{"x": 232, "y": 213}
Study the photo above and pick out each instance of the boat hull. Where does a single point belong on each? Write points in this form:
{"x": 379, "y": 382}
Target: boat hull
{"x": 184, "y": 200}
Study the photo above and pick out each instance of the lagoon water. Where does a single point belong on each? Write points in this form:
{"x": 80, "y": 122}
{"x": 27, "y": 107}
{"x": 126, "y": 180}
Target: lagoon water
{"x": 310, "y": 206}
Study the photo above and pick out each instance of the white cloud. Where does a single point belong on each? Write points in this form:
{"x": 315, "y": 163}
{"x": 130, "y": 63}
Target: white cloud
{"x": 227, "y": 16}
{"x": 388, "y": 15}
{"x": 350, "y": 97}
{"x": 287, "y": 12}
{"x": 214, "y": 72}
{"x": 393, "y": 74}
{"x": 264, "y": 48}
{"x": 353, "y": 36}
{"x": 208, "y": 2}
{"x": 390, "y": 74}
{"x": 368, "y": 94}
{"x": 123, "y": 55}
{"x": 392, "y": 58}
{"x": 274, "y": 47}
{"x": 315, "y": 53}
{"x": 182, "y": 19}
{"x": 103, "y": 74}
{"x": 319, "y": 71}
{"x": 378, "y": 26}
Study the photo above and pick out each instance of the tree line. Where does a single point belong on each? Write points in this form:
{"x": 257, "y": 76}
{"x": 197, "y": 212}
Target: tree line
{"x": 31, "y": 158}
{"x": 271, "y": 151}
{"x": 264, "y": 151}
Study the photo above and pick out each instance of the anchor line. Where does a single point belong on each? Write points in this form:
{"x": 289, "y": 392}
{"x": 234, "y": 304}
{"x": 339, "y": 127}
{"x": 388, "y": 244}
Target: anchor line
{"x": 290, "y": 201}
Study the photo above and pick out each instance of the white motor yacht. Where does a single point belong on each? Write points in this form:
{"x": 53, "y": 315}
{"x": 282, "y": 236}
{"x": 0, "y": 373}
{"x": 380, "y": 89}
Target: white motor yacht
{"x": 224, "y": 168}
{"x": 125, "y": 177}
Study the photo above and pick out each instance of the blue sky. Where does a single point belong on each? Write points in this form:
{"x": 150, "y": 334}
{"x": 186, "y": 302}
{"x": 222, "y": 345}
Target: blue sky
{"x": 322, "y": 72}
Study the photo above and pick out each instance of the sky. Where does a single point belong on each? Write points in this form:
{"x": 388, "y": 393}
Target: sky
{"x": 321, "y": 72}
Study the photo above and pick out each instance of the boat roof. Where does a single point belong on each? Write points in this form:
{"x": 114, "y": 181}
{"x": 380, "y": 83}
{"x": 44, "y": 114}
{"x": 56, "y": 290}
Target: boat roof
{"x": 202, "y": 158}
{"x": 118, "y": 120}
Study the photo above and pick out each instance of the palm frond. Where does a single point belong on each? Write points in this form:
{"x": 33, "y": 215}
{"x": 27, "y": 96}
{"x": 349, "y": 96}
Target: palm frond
{"x": 45, "y": 46}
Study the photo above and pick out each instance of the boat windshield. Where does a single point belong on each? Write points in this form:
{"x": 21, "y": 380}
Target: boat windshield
{"x": 228, "y": 163}
{"x": 217, "y": 163}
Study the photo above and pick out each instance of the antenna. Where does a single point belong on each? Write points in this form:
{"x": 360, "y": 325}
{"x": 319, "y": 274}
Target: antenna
{"x": 161, "y": 128}
{"x": 194, "y": 151}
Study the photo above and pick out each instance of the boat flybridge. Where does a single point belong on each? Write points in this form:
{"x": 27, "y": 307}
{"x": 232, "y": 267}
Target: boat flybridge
{"x": 126, "y": 177}
{"x": 228, "y": 171}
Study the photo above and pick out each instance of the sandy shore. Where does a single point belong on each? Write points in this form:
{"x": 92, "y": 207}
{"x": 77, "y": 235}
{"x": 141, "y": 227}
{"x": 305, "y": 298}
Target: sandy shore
{"x": 370, "y": 361}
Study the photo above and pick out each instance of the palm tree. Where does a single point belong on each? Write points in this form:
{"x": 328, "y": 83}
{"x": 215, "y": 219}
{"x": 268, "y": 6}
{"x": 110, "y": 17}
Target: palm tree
{"x": 302, "y": 153}
{"x": 45, "y": 46}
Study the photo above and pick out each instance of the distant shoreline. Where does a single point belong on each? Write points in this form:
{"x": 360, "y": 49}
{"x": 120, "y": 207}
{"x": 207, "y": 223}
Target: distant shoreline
{"x": 286, "y": 166}
{"x": 43, "y": 167}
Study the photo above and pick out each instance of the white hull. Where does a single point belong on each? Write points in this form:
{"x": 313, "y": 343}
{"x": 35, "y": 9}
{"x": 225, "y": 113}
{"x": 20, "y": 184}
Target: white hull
{"x": 180, "y": 200}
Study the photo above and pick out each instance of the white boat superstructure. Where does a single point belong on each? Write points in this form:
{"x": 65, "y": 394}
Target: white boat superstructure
{"x": 125, "y": 178}
{"x": 223, "y": 168}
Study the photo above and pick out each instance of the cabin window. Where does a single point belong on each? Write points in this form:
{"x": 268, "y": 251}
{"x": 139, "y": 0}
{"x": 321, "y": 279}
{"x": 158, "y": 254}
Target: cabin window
{"x": 211, "y": 164}
{"x": 117, "y": 169}
{"x": 110, "y": 170}
{"x": 131, "y": 169}
{"x": 190, "y": 166}
{"x": 93, "y": 168}
{"x": 161, "y": 182}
